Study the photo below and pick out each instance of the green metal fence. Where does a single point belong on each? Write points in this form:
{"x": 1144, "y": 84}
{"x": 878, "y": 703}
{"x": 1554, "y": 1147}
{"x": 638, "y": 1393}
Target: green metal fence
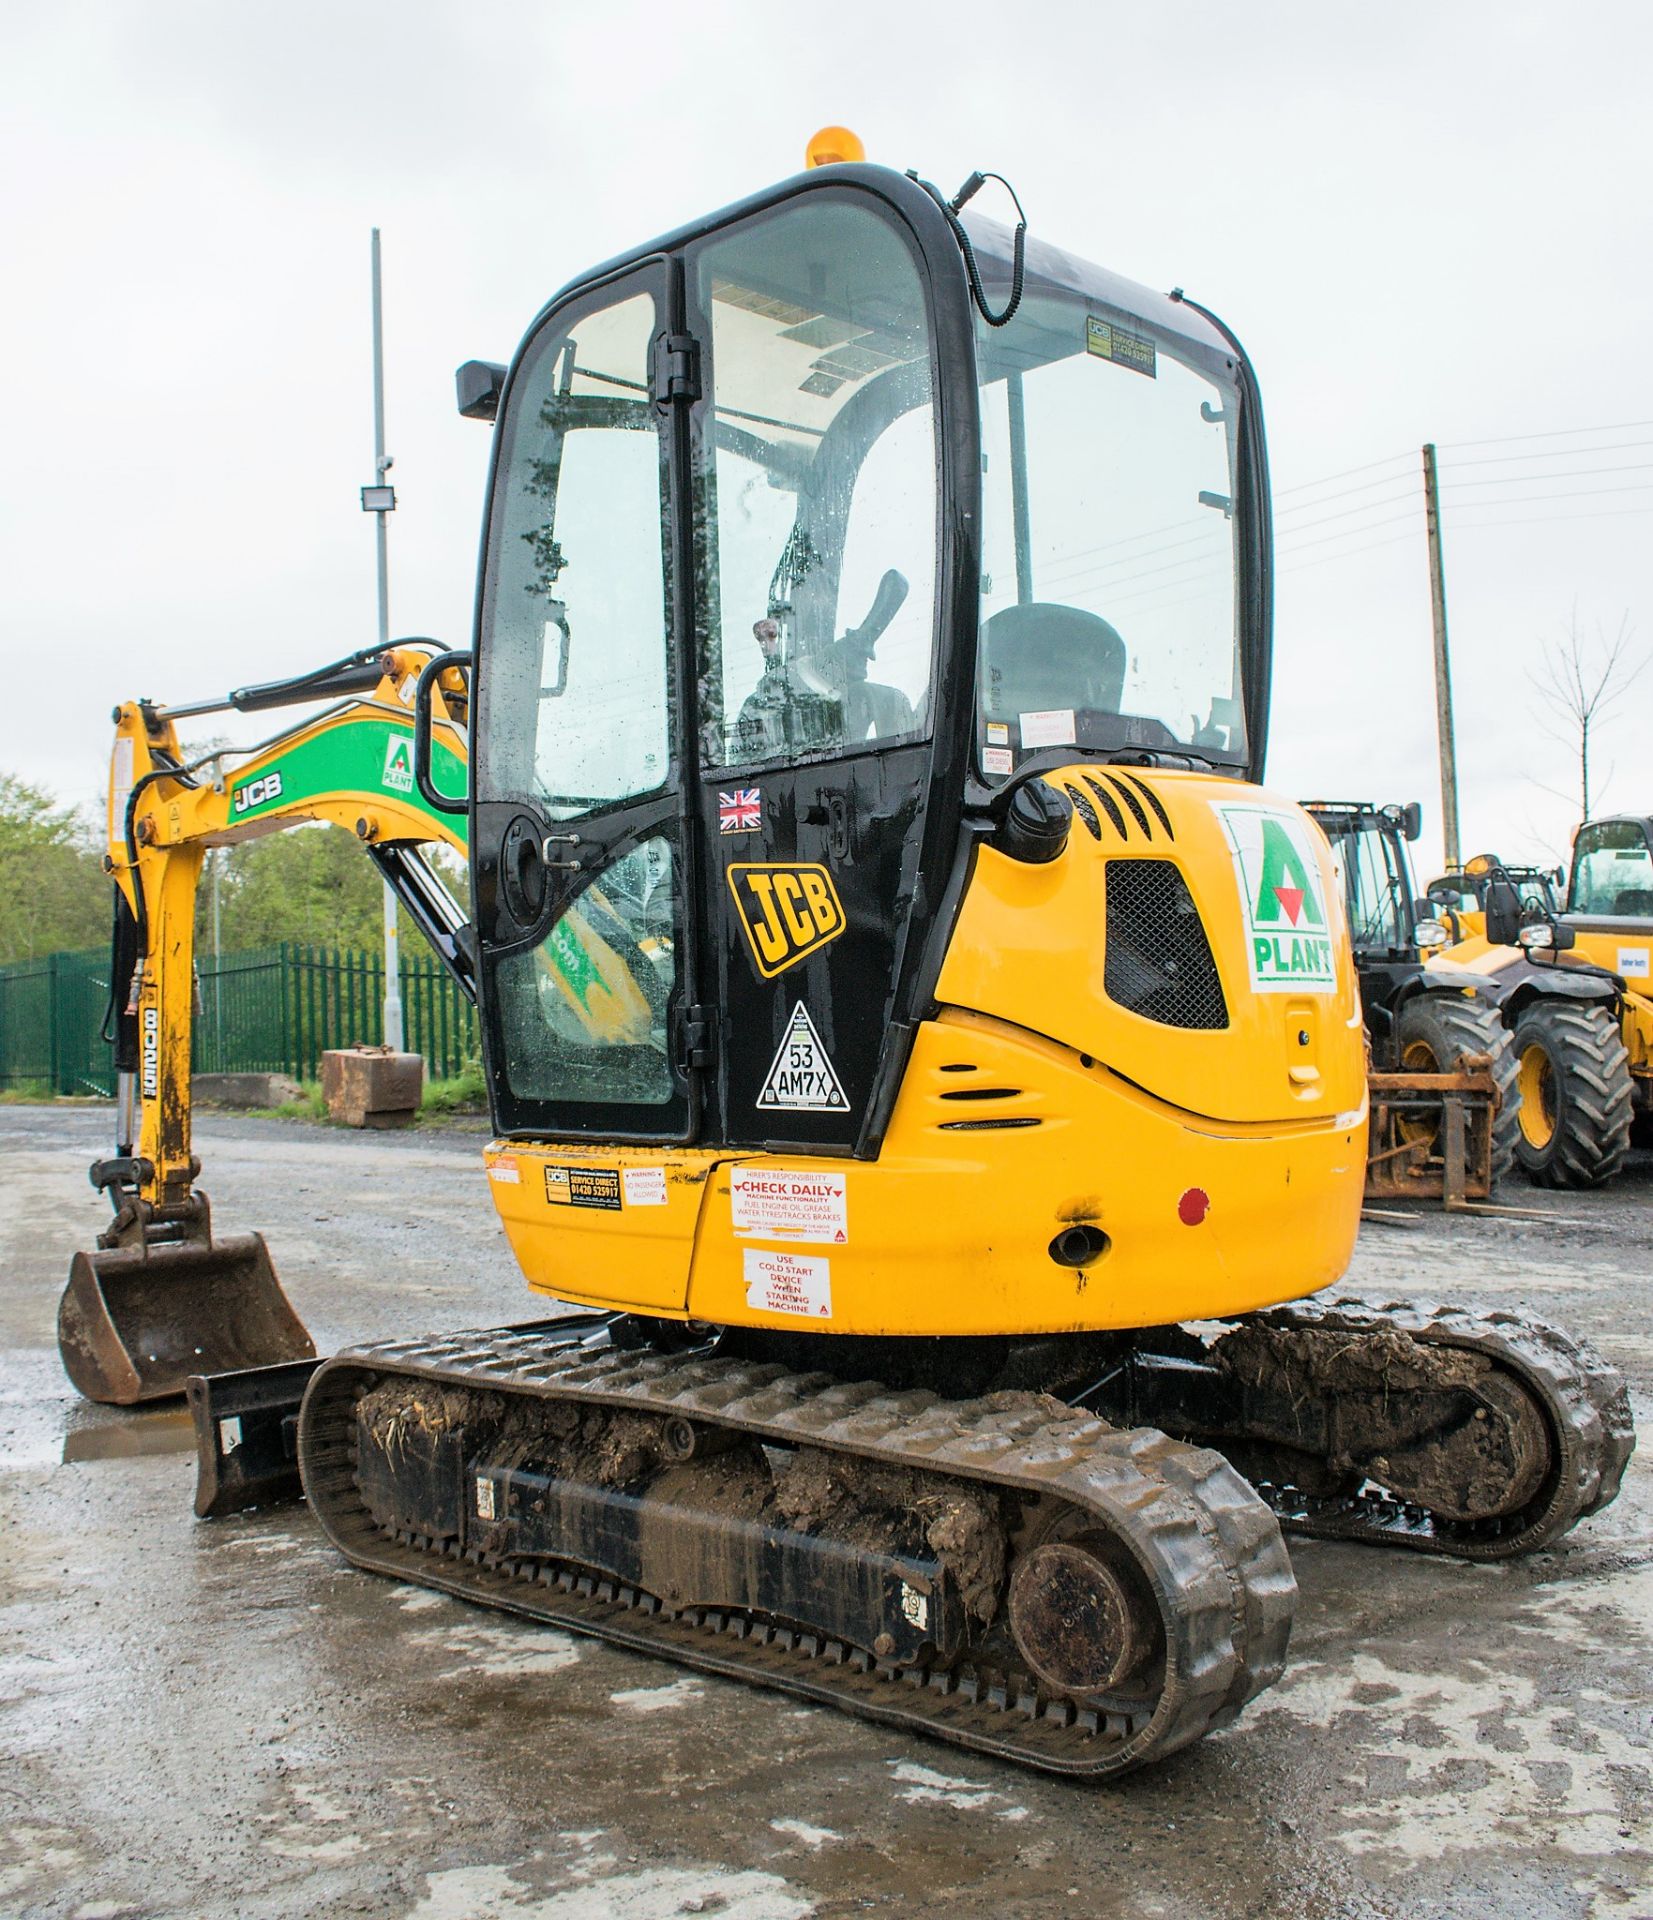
{"x": 273, "y": 1010}
{"x": 51, "y": 1024}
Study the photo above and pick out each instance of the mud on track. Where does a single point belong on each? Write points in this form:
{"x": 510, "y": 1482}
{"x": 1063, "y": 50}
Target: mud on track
{"x": 223, "y": 1719}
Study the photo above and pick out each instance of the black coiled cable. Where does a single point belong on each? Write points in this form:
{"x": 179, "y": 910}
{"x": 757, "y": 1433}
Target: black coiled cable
{"x": 1018, "y": 250}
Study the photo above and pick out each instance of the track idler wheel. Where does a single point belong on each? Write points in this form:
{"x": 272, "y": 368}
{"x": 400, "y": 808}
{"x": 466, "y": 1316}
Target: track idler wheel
{"x": 1491, "y": 1465}
{"x": 1078, "y": 1622}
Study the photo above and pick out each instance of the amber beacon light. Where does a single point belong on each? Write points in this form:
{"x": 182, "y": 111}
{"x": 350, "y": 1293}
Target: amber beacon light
{"x": 832, "y": 146}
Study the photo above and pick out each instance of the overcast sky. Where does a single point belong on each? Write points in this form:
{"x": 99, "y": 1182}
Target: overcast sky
{"x": 1425, "y": 222}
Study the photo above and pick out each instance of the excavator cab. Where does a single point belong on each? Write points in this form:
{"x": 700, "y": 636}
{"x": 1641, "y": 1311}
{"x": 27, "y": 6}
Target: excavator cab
{"x": 814, "y": 542}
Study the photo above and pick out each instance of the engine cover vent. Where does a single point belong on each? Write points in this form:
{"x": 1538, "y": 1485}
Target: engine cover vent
{"x": 1158, "y": 961}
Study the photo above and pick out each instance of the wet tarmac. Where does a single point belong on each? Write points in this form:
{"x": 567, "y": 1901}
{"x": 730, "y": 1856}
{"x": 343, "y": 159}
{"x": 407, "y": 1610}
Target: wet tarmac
{"x": 202, "y": 1719}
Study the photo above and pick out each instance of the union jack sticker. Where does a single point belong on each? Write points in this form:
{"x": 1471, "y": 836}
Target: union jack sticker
{"x": 740, "y": 811}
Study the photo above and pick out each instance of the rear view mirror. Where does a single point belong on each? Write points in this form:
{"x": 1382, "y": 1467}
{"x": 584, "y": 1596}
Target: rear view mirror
{"x": 478, "y": 385}
{"x": 1503, "y": 913}
{"x": 1411, "y": 819}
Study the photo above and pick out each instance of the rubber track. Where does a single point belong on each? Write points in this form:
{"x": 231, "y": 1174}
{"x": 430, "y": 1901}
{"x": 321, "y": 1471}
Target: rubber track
{"x": 1585, "y": 1403}
{"x": 1588, "y": 1057}
{"x": 1212, "y": 1550}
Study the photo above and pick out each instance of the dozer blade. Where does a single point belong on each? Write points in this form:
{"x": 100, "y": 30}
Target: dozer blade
{"x": 246, "y": 1428}
{"x": 135, "y": 1322}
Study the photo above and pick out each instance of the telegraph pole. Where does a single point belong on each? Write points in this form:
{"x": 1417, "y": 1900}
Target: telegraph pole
{"x": 380, "y": 500}
{"x": 1443, "y": 666}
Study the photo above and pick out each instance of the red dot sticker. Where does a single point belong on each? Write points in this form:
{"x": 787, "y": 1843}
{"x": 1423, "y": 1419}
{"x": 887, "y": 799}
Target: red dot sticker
{"x": 1194, "y": 1205}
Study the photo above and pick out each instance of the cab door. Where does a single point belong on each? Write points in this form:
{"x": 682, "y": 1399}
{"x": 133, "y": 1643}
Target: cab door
{"x": 816, "y": 460}
{"x": 582, "y": 866}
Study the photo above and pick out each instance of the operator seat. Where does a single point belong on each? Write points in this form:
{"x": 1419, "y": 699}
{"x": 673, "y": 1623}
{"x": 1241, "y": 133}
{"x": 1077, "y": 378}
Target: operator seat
{"x": 1045, "y": 655}
{"x": 1633, "y": 903}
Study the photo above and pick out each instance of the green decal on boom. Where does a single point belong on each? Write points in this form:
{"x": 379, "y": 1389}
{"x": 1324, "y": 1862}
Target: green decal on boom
{"x": 1282, "y": 896}
{"x": 368, "y": 759}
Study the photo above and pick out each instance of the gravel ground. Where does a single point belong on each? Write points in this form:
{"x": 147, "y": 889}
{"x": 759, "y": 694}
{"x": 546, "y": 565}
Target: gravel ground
{"x": 224, "y": 1718}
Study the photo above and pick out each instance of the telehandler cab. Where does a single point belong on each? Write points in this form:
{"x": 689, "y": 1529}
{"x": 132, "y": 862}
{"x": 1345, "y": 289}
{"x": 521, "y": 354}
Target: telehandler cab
{"x": 1573, "y": 979}
{"x": 1442, "y": 1072}
{"x": 901, "y": 1011}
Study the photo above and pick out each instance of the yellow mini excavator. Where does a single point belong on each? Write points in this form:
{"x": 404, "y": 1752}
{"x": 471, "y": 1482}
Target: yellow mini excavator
{"x": 928, "y": 1060}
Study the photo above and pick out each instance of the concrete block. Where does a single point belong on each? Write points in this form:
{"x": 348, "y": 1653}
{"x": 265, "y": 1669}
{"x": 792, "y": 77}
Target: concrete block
{"x": 244, "y": 1089}
{"x": 371, "y": 1086}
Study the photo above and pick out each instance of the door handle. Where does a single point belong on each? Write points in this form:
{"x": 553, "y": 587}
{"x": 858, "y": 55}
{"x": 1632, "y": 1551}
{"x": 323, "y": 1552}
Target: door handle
{"x": 561, "y": 840}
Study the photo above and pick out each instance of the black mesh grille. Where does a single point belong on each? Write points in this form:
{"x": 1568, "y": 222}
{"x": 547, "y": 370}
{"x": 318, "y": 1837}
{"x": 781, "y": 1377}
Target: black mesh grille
{"x": 1159, "y": 961}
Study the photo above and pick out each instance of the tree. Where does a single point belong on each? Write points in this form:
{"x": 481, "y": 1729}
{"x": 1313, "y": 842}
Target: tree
{"x": 53, "y": 890}
{"x": 310, "y": 883}
{"x": 1580, "y": 684}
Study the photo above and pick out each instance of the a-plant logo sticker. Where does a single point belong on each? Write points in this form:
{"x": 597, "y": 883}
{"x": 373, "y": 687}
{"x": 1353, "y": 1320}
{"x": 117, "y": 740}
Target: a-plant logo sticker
{"x": 398, "y": 774}
{"x": 1283, "y": 900}
{"x": 786, "y": 911}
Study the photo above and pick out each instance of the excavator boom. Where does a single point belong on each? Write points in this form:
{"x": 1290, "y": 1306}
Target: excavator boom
{"x": 161, "y": 1297}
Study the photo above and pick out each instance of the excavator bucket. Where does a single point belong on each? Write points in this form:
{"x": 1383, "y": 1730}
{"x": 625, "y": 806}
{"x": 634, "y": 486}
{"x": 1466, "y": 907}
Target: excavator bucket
{"x": 136, "y": 1321}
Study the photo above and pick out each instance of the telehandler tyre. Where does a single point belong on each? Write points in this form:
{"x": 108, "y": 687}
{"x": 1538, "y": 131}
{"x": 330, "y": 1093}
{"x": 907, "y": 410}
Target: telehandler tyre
{"x": 1433, "y": 1033}
{"x": 1576, "y": 1095}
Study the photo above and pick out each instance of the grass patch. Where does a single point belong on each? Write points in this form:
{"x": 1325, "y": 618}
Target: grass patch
{"x": 36, "y": 1093}
{"x": 310, "y": 1105}
{"x": 466, "y": 1092}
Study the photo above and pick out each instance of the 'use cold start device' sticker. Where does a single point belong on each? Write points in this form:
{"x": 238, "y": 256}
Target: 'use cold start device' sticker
{"x": 797, "y": 1283}
{"x": 781, "y": 1203}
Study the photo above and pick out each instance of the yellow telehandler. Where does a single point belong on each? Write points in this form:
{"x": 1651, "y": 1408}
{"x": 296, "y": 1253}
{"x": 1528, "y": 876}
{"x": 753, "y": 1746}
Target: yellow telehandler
{"x": 925, "y": 1055}
{"x": 1571, "y": 982}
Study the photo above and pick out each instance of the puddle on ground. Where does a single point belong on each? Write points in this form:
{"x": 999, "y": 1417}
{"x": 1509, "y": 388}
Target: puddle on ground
{"x": 131, "y": 1436}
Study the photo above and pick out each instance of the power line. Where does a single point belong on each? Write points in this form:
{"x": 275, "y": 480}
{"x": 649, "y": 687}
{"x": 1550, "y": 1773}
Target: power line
{"x": 1370, "y": 506}
{"x": 1560, "y": 453}
{"x": 1325, "y": 480}
{"x": 1061, "y": 565}
{"x": 1575, "y": 473}
{"x": 1557, "y": 433}
{"x": 1320, "y": 539}
{"x": 1578, "y": 493}
{"x": 1300, "y": 566}
{"x": 1309, "y": 506}
{"x": 1547, "y": 519}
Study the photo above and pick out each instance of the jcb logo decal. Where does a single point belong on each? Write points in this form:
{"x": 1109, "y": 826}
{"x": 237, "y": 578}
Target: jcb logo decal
{"x": 786, "y": 912}
{"x": 256, "y": 793}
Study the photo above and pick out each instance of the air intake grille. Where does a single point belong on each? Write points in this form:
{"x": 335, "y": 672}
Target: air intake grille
{"x": 1159, "y": 961}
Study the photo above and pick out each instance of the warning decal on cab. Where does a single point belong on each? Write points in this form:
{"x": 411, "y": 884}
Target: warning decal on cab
{"x": 777, "y": 1203}
{"x": 799, "y": 1283}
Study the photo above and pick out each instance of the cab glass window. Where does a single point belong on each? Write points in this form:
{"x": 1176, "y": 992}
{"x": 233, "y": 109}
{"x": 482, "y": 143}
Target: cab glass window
{"x": 819, "y": 503}
{"x": 1374, "y": 889}
{"x": 585, "y": 1015}
{"x": 1613, "y": 872}
{"x": 1109, "y": 608}
{"x": 575, "y": 696}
